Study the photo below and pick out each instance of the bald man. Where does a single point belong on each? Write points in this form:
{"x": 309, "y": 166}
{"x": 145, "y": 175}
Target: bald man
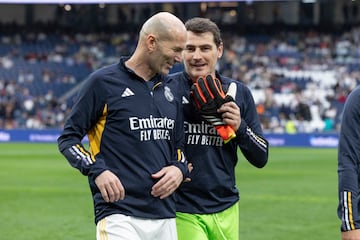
{"x": 135, "y": 131}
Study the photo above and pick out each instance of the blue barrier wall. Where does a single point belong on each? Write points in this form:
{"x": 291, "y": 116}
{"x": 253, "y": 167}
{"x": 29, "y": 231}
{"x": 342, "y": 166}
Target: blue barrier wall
{"x": 325, "y": 140}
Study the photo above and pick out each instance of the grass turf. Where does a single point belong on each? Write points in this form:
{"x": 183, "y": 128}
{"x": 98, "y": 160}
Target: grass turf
{"x": 41, "y": 196}
{"x": 293, "y": 197}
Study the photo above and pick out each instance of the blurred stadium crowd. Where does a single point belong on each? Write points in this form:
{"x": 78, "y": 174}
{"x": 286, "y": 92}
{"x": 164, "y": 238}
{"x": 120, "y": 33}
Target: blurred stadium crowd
{"x": 299, "y": 79}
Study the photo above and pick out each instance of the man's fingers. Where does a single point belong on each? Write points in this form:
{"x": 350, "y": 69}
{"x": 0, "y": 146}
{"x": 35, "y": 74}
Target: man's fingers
{"x": 163, "y": 190}
{"x": 116, "y": 191}
{"x": 121, "y": 190}
{"x": 187, "y": 180}
{"x": 104, "y": 194}
{"x": 231, "y": 93}
{"x": 110, "y": 187}
{"x": 205, "y": 91}
{"x": 190, "y": 167}
{"x": 216, "y": 89}
{"x": 170, "y": 179}
{"x": 167, "y": 193}
{"x": 112, "y": 192}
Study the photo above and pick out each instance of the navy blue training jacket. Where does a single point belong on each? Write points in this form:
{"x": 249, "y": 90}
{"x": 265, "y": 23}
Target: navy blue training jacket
{"x": 213, "y": 186}
{"x": 134, "y": 130}
{"x": 349, "y": 164}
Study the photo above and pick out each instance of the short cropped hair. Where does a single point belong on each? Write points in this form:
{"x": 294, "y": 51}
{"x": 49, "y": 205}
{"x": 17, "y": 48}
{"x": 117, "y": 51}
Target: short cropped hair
{"x": 200, "y": 25}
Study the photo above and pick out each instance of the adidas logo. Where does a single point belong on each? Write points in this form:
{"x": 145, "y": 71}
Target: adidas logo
{"x": 127, "y": 92}
{"x": 184, "y": 100}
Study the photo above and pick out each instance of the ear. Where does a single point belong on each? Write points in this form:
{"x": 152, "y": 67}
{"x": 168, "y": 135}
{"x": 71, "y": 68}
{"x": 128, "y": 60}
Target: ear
{"x": 220, "y": 50}
{"x": 151, "y": 42}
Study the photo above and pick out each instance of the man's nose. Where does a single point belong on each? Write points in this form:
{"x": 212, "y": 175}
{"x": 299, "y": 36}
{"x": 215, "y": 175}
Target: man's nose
{"x": 197, "y": 54}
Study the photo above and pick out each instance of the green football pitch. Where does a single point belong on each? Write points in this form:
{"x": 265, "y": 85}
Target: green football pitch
{"x": 293, "y": 197}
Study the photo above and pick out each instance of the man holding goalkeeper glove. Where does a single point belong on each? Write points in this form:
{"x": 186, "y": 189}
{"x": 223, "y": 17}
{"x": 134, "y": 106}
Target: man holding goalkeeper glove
{"x": 219, "y": 117}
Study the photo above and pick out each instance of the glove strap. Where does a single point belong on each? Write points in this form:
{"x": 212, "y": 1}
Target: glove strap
{"x": 226, "y": 132}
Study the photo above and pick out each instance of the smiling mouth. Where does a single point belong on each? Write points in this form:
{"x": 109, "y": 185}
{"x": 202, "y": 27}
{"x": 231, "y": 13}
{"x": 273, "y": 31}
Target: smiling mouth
{"x": 198, "y": 65}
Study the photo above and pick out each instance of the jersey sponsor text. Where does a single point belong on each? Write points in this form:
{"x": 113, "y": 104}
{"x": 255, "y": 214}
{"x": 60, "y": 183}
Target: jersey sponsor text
{"x": 152, "y": 128}
{"x": 202, "y": 134}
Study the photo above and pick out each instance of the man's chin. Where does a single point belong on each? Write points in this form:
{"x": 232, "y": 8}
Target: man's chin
{"x": 199, "y": 73}
{"x": 165, "y": 71}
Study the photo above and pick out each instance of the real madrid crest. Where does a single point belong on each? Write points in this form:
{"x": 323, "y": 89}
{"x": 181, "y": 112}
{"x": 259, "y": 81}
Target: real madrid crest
{"x": 168, "y": 94}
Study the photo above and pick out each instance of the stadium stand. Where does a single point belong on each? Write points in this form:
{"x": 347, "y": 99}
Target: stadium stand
{"x": 38, "y": 69}
{"x": 299, "y": 79}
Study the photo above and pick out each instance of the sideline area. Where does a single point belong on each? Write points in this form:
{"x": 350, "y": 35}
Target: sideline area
{"x": 319, "y": 140}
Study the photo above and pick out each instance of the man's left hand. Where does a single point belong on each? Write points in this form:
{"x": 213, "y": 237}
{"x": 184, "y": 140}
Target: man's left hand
{"x": 170, "y": 178}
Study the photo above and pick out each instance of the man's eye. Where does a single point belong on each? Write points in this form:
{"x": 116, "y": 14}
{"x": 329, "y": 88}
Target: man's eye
{"x": 178, "y": 50}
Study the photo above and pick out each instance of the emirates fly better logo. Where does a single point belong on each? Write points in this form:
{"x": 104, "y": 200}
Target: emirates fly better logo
{"x": 152, "y": 128}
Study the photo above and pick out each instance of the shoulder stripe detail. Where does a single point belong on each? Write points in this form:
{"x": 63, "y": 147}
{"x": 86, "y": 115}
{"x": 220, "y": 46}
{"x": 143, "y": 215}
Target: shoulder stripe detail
{"x": 256, "y": 139}
{"x": 348, "y": 214}
{"x": 83, "y": 155}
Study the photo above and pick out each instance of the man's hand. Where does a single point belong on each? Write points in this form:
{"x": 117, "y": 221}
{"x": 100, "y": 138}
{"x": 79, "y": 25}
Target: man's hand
{"x": 110, "y": 186}
{"x": 230, "y": 113}
{"x": 219, "y": 96}
{"x": 170, "y": 178}
{"x": 203, "y": 99}
{"x": 351, "y": 235}
{"x": 190, "y": 168}
{"x": 208, "y": 97}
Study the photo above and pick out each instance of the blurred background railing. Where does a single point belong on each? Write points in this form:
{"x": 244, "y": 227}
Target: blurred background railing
{"x": 300, "y": 59}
